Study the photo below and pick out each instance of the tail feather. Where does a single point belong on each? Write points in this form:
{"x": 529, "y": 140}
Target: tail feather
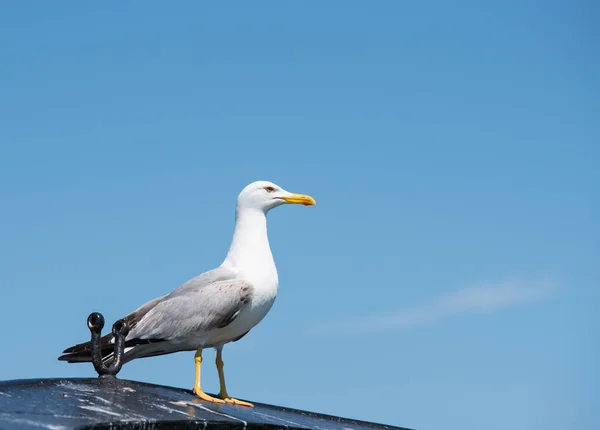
{"x": 82, "y": 352}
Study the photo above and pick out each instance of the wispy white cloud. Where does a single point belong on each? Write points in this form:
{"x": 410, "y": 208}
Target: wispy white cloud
{"x": 480, "y": 298}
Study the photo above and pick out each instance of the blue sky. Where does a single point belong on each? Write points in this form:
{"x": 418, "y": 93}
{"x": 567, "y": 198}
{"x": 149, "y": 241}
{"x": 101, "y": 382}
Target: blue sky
{"x": 448, "y": 276}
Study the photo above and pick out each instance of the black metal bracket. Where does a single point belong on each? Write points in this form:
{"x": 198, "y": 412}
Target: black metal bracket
{"x": 120, "y": 330}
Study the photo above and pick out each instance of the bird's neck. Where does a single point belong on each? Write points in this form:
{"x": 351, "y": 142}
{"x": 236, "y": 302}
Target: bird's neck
{"x": 250, "y": 253}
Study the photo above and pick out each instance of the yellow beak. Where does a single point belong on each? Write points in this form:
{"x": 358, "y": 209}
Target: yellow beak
{"x": 300, "y": 199}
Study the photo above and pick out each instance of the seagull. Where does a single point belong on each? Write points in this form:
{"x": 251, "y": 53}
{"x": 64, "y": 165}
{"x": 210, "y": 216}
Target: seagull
{"x": 216, "y": 307}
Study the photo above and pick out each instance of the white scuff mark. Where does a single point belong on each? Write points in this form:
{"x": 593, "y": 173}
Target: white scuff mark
{"x": 35, "y": 423}
{"x": 108, "y": 402}
{"x": 81, "y": 388}
{"x": 170, "y": 410}
{"x": 70, "y": 417}
{"x": 100, "y": 410}
{"x": 55, "y": 427}
{"x": 131, "y": 390}
{"x": 2, "y": 393}
{"x": 199, "y": 406}
{"x": 278, "y": 419}
{"x": 90, "y": 407}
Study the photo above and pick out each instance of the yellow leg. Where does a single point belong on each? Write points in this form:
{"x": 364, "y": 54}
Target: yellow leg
{"x": 223, "y": 392}
{"x": 197, "y": 387}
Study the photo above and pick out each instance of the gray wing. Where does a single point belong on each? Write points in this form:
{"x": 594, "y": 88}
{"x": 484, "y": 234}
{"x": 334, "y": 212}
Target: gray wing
{"x": 214, "y": 275}
{"x": 206, "y": 278}
{"x": 192, "y": 311}
{"x": 210, "y": 300}
{"x": 198, "y": 282}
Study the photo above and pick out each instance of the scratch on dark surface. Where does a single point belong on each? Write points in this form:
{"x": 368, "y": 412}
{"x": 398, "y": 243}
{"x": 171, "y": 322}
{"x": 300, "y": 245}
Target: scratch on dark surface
{"x": 276, "y": 418}
{"x": 23, "y": 421}
{"x": 77, "y": 387}
{"x": 100, "y": 410}
{"x": 171, "y": 410}
{"x": 197, "y": 405}
{"x": 108, "y": 402}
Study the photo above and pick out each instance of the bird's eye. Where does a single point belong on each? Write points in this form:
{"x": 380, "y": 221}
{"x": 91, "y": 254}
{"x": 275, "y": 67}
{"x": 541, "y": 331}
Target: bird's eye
{"x": 269, "y": 189}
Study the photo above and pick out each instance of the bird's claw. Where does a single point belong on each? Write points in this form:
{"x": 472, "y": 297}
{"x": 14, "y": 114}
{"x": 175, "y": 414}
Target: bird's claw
{"x": 206, "y": 397}
{"x": 237, "y": 402}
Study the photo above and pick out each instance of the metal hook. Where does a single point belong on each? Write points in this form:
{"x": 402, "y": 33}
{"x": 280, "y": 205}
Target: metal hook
{"x": 120, "y": 330}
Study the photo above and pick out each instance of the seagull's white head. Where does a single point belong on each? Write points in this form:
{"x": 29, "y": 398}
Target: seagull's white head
{"x": 264, "y": 196}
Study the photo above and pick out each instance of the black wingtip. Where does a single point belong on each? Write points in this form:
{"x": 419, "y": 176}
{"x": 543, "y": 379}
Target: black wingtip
{"x": 75, "y": 358}
{"x": 66, "y": 357}
{"x": 81, "y": 349}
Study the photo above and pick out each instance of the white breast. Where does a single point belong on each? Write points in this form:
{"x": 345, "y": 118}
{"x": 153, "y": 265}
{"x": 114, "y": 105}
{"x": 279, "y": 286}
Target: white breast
{"x": 251, "y": 258}
{"x": 257, "y": 308}
{"x": 253, "y": 313}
